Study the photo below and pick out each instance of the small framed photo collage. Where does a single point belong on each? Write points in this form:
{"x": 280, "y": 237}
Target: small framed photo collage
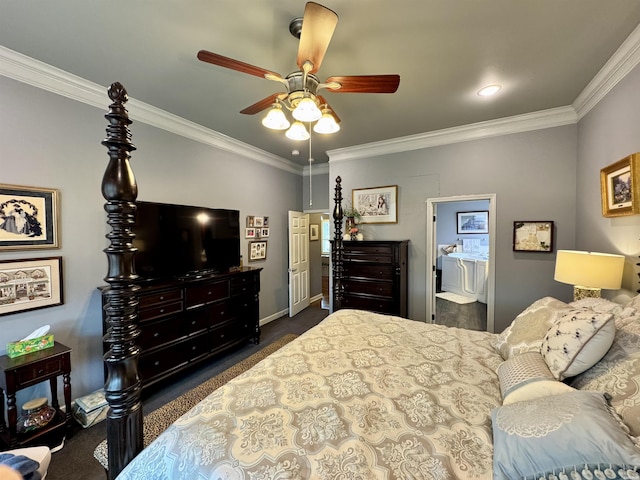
{"x": 257, "y": 230}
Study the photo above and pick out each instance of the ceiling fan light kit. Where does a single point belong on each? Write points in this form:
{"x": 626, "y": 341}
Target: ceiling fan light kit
{"x": 314, "y": 30}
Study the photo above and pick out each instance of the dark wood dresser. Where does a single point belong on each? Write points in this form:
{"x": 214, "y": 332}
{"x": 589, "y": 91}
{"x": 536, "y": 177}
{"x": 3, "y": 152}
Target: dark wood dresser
{"x": 375, "y": 276}
{"x": 185, "y": 321}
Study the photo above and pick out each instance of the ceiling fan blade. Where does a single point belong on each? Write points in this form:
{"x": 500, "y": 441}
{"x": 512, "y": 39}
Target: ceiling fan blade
{"x": 237, "y": 65}
{"x": 318, "y": 26}
{"x": 262, "y": 104}
{"x": 366, "y": 83}
{"x": 323, "y": 101}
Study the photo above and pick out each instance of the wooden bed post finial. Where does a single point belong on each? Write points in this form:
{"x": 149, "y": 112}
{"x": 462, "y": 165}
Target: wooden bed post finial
{"x": 337, "y": 253}
{"x": 123, "y": 385}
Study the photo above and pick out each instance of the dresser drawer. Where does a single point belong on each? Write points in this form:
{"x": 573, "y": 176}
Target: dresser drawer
{"x": 156, "y": 334}
{"x": 231, "y": 332}
{"x": 162, "y": 361}
{"x": 159, "y": 311}
{"x": 381, "y": 289}
{"x": 202, "y": 294}
{"x": 40, "y": 372}
{"x": 221, "y": 312}
{"x": 379, "y": 272}
{"x": 380, "y": 305}
{"x": 364, "y": 249}
{"x": 153, "y": 299}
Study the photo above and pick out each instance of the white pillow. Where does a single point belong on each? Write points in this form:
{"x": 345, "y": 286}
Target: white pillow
{"x": 577, "y": 340}
{"x": 526, "y": 376}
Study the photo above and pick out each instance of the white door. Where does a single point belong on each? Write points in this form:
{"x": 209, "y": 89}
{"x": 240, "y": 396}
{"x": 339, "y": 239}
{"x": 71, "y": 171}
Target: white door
{"x": 298, "y": 262}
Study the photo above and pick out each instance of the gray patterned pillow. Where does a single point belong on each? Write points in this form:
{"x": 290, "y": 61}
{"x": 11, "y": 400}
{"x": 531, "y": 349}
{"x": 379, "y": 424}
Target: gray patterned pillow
{"x": 526, "y": 376}
{"x": 602, "y": 305}
{"x": 618, "y": 374}
{"x": 576, "y": 341}
{"x": 559, "y": 432}
{"x": 527, "y": 330}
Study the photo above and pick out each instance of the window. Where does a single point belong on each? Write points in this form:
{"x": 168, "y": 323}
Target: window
{"x": 326, "y": 236}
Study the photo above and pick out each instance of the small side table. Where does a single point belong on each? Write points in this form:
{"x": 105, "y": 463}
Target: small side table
{"x": 27, "y": 370}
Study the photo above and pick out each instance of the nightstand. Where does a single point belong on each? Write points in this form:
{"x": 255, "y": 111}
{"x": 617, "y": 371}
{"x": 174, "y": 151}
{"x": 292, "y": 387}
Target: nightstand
{"x": 27, "y": 370}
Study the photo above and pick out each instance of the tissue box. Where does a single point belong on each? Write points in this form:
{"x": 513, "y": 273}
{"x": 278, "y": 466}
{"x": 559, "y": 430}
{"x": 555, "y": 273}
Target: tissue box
{"x": 15, "y": 349}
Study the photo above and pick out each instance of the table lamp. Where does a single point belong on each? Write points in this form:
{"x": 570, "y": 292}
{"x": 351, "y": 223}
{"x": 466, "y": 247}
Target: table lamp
{"x": 589, "y": 272}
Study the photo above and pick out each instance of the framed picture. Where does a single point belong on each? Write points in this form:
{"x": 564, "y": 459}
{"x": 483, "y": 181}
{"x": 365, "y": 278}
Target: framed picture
{"x": 258, "y": 222}
{"x": 249, "y": 233}
{"x": 257, "y": 250}
{"x": 265, "y": 221}
{"x": 533, "y": 236}
{"x": 264, "y": 232}
{"x": 28, "y": 217}
{"x": 376, "y": 205}
{"x": 250, "y": 221}
{"x": 313, "y": 231}
{"x": 620, "y": 187}
{"x": 472, "y": 222}
{"x": 30, "y": 284}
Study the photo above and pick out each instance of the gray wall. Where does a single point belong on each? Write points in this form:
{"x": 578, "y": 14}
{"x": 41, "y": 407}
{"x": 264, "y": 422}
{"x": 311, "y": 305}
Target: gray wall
{"x": 533, "y": 175}
{"x": 50, "y": 141}
{"x": 608, "y": 133}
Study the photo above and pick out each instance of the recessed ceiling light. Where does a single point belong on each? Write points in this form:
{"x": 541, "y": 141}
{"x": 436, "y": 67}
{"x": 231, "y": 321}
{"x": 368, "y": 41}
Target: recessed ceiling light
{"x": 489, "y": 90}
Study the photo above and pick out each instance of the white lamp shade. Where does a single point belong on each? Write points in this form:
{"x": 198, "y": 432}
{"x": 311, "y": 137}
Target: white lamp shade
{"x": 326, "y": 124}
{"x": 307, "y": 111}
{"x": 297, "y": 132}
{"x": 276, "y": 119}
{"x": 589, "y": 269}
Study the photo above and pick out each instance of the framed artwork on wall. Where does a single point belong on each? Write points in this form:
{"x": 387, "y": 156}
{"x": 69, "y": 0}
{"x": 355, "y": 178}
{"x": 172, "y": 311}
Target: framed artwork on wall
{"x": 30, "y": 284}
{"x": 620, "y": 187}
{"x": 314, "y": 231}
{"x": 249, "y": 233}
{"x": 257, "y": 250}
{"x": 533, "y": 236}
{"x": 264, "y": 232}
{"x": 28, "y": 217}
{"x": 472, "y": 222}
{"x": 376, "y": 205}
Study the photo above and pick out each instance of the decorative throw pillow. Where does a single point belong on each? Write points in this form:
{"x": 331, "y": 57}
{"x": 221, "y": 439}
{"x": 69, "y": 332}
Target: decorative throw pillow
{"x": 618, "y": 374}
{"x": 576, "y": 341}
{"x": 557, "y": 433}
{"x": 527, "y": 330}
{"x": 601, "y": 305}
{"x": 526, "y": 376}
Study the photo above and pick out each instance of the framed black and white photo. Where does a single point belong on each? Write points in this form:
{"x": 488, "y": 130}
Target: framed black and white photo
{"x": 472, "y": 222}
{"x": 264, "y": 232}
{"x": 28, "y": 217}
{"x": 376, "y": 205}
{"x": 30, "y": 284}
{"x": 257, "y": 250}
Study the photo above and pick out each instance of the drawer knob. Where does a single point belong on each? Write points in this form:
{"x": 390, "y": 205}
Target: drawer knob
{"x": 209, "y": 292}
{"x": 193, "y": 348}
{"x": 156, "y": 363}
{"x": 193, "y": 322}
{"x": 40, "y": 371}
{"x": 222, "y": 335}
{"x": 162, "y": 310}
{"x": 156, "y": 335}
{"x": 222, "y": 312}
{"x": 161, "y": 297}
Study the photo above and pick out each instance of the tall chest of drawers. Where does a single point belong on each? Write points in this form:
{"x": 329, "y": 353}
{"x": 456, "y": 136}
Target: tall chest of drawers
{"x": 185, "y": 321}
{"x": 375, "y": 276}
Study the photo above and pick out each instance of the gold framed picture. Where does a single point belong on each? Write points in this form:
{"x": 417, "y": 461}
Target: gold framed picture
{"x": 620, "y": 187}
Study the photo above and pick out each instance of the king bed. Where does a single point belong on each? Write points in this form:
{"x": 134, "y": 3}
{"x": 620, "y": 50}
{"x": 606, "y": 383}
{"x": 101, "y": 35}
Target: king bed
{"x": 370, "y": 396}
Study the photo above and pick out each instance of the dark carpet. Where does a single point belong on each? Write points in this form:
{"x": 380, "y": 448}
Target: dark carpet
{"x": 76, "y": 461}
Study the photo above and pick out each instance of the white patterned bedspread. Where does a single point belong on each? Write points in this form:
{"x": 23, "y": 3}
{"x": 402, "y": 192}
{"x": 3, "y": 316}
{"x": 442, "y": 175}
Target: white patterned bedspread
{"x": 360, "y": 396}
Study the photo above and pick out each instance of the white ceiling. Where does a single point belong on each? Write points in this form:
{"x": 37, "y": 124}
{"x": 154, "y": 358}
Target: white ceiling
{"x": 543, "y": 52}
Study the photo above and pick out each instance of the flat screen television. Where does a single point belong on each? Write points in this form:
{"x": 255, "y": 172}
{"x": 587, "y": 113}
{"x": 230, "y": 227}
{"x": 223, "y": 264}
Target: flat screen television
{"x": 181, "y": 240}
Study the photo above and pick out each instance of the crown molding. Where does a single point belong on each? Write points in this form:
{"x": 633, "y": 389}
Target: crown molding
{"x": 617, "y": 67}
{"x": 46, "y": 77}
{"x": 553, "y": 117}
{"x": 320, "y": 169}
{"x": 625, "y": 59}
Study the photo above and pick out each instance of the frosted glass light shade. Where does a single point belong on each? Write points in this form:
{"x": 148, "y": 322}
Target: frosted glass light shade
{"x": 276, "y": 119}
{"x": 307, "y": 111}
{"x": 326, "y": 124}
{"x": 589, "y": 270}
{"x": 297, "y": 132}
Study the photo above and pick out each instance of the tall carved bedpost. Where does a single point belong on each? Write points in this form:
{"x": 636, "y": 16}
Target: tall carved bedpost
{"x": 338, "y": 289}
{"x": 123, "y": 385}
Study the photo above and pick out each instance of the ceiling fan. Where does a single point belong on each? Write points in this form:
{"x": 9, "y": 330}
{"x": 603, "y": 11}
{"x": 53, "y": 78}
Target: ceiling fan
{"x": 314, "y": 30}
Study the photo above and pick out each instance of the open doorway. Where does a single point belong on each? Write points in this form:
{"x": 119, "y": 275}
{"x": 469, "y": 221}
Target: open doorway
{"x": 460, "y": 260}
